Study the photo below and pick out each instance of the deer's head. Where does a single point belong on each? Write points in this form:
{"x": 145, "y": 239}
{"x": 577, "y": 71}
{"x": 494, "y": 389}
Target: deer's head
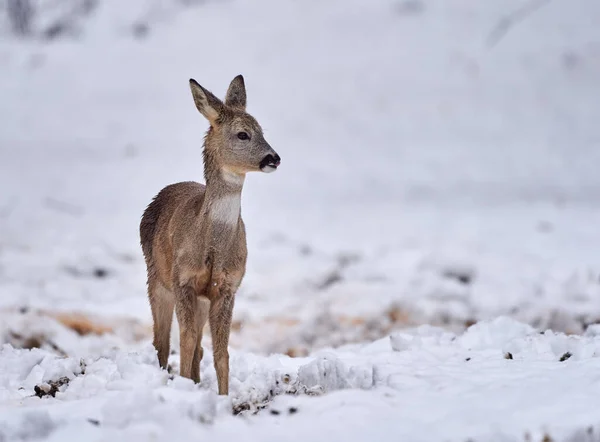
{"x": 235, "y": 140}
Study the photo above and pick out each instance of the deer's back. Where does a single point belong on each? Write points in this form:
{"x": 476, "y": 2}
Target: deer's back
{"x": 157, "y": 223}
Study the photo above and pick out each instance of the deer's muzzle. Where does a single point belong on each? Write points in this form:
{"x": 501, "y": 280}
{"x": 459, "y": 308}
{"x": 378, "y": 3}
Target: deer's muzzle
{"x": 270, "y": 163}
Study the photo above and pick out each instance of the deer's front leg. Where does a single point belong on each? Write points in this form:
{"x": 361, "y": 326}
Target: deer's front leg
{"x": 221, "y": 311}
{"x": 185, "y": 309}
{"x": 202, "y": 309}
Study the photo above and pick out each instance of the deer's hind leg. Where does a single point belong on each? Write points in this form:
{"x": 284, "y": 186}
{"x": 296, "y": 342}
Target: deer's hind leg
{"x": 162, "y": 302}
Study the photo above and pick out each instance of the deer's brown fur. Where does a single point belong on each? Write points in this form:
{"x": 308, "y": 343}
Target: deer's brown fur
{"x": 193, "y": 236}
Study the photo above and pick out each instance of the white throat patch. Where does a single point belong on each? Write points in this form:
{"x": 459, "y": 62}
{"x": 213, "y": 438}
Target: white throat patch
{"x": 232, "y": 177}
{"x": 226, "y": 209}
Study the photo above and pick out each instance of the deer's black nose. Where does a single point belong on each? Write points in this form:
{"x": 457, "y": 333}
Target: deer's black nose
{"x": 270, "y": 160}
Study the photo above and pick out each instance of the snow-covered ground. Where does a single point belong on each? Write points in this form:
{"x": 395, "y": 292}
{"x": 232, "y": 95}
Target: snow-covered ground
{"x": 500, "y": 381}
{"x": 437, "y": 168}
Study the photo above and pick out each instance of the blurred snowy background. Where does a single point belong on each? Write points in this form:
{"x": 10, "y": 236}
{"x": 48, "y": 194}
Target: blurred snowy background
{"x": 440, "y": 164}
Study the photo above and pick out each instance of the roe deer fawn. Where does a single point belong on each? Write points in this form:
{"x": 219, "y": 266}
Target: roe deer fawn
{"x": 193, "y": 236}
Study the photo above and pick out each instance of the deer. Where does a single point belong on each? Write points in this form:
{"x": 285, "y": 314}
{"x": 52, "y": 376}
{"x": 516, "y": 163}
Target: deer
{"x": 194, "y": 240}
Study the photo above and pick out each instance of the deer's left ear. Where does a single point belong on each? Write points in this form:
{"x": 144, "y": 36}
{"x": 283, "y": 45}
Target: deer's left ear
{"x": 208, "y": 105}
{"x": 236, "y": 93}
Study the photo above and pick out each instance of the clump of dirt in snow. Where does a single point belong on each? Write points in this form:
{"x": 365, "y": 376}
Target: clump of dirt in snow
{"x": 50, "y": 388}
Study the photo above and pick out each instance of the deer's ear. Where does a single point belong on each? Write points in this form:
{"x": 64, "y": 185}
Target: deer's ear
{"x": 236, "y": 93}
{"x": 208, "y": 105}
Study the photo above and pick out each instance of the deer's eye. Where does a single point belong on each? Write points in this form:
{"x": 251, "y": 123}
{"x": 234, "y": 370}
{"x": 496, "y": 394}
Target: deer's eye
{"x": 243, "y": 136}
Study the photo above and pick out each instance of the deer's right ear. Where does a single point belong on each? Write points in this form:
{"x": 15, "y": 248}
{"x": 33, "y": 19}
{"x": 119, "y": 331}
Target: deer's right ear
{"x": 236, "y": 93}
{"x": 208, "y": 105}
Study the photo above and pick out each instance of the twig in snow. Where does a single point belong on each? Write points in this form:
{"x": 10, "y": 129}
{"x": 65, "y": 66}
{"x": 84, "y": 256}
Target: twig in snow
{"x": 509, "y": 21}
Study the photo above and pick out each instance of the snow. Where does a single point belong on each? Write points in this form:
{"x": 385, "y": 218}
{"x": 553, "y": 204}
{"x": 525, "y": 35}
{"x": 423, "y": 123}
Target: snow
{"x": 436, "y": 174}
{"x": 399, "y": 386}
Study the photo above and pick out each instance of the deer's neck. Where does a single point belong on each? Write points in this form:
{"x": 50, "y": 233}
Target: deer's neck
{"x": 222, "y": 200}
